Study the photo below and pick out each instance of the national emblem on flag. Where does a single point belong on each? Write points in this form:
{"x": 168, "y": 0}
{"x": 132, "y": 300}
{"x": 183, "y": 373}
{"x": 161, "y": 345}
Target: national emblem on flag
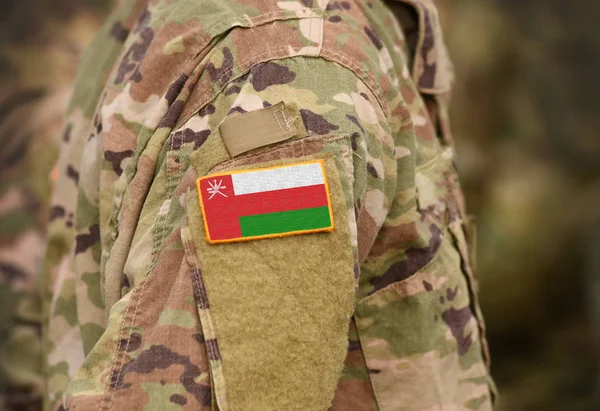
{"x": 266, "y": 202}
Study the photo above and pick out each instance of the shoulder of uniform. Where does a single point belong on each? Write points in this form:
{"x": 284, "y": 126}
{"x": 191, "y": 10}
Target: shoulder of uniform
{"x": 189, "y": 50}
{"x": 318, "y": 32}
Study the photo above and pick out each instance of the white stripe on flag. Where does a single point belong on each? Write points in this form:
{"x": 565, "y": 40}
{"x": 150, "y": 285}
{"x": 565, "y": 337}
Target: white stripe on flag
{"x": 301, "y": 175}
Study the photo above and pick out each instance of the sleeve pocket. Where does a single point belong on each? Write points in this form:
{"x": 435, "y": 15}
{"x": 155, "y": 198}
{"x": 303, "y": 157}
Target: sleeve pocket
{"x": 276, "y": 311}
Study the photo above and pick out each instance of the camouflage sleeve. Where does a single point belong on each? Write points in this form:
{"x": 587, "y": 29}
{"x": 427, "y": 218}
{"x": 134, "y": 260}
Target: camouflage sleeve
{"x": 337, "y": 119}
{"x": 340, "y": 121}
{"x": 260, "y": 214}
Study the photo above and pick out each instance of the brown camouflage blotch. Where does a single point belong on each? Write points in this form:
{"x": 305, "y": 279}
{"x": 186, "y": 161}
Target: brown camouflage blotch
{"x": 222, "y": 74}
{"x": 116, "y": 158}
{"x": 457, "y": 321}
{"x": 372, "y": 35}
{"x": 120, "y": 139}
{"x": 178, "y": 399}
{"x": 416, "y": 258}
{"x": 159, "y": 357}
{"x": 166, "y": 74}
{"x": 209, "y": 108}
{"x": 353, "y": 394}
{"x": 85, "y": 241}
{"x": 10, "y": 274}
{"x": 367, "y": 232}
{"x": 67, "y": 133}
{"x": 372, "y": 171}
{"x": 339, "y": 5}
{"x": 355, "y": 121}
{"x": 57, "y": 212}
{"x": 233, "y": 90}
{"x": 73, "y": 174}
{"x": 143, "y": 17}
{"x": 125, "y": 283}
{"x": 119, "y": 32}
{"x": 427, "y": 78}
{"x": 268, "y": 74}
{"x": 451, "y": 293}
{"x": 129, "y": 65}
{"x": 135, "y": 341}
{"x": 170, "y": 119}
{"x": 425, "y": 132}
{"x": 188, "y": 136}
{"x": 316, "y": 123}
{"x": 236, "y": 109}
{"x": 409, "y": 94}
{"x": 176, "y": 88}
{"x": 394, "y": 236}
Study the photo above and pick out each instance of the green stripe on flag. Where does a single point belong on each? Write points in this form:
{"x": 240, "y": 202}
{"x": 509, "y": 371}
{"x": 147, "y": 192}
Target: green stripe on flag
{"x": 285, "y": 221}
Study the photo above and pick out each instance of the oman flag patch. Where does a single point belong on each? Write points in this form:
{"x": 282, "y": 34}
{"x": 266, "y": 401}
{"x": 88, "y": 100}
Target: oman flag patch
{"x": 266, "y": 202}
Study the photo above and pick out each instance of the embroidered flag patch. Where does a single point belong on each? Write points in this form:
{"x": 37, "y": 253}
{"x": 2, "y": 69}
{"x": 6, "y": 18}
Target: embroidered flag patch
{"x": 267, "y": 202}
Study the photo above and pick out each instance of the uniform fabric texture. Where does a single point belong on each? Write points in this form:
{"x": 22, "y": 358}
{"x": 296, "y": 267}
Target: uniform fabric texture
{"x": 380, "y": 314}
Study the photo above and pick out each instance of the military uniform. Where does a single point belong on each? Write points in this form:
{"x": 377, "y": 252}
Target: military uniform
{"x": 38, "y": 56}
{"x": 257, "y": 209}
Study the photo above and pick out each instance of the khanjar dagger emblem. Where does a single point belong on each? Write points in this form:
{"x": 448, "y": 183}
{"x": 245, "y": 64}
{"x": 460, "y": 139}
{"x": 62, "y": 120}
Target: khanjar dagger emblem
{"x": 215, "y": 188}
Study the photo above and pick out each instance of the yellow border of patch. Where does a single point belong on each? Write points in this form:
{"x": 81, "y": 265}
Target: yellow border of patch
{"x": 260, "y": 237}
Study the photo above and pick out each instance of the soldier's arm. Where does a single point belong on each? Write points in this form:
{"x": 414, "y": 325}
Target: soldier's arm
{"x": 238, "y": 196}
{"x": 252, "y": 279}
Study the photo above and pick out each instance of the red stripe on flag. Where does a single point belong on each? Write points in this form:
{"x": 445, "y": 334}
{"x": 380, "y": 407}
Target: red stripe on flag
{"x": 281, "y": 200}
{"x": 222, "y": 213}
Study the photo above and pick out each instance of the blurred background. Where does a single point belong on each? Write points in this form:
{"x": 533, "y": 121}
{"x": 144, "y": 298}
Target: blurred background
{"x": 525, "y": 122}
{"x": 525, "y": 116}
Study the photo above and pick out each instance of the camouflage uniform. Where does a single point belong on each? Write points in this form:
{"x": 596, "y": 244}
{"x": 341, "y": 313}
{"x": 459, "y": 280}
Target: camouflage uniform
{"x": 38, "y": 53}
{"x": 379, "y": 314}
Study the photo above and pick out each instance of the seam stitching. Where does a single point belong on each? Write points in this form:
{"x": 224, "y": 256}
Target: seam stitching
{"x": 159, "y": 238}
{"x": 277, "y": 119}
{"x": 247, "y": 64}
{"x": 107, "y": 396}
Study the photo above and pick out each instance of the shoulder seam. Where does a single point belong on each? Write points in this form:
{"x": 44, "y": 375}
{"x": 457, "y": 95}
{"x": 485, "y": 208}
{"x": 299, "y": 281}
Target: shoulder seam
{"x": 209, "y": 95}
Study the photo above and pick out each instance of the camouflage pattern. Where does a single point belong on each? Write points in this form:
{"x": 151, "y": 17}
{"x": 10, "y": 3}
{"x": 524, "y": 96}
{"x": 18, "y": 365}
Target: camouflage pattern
{"x": 129, "y": 322}
{"x": 39, "y": 46}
